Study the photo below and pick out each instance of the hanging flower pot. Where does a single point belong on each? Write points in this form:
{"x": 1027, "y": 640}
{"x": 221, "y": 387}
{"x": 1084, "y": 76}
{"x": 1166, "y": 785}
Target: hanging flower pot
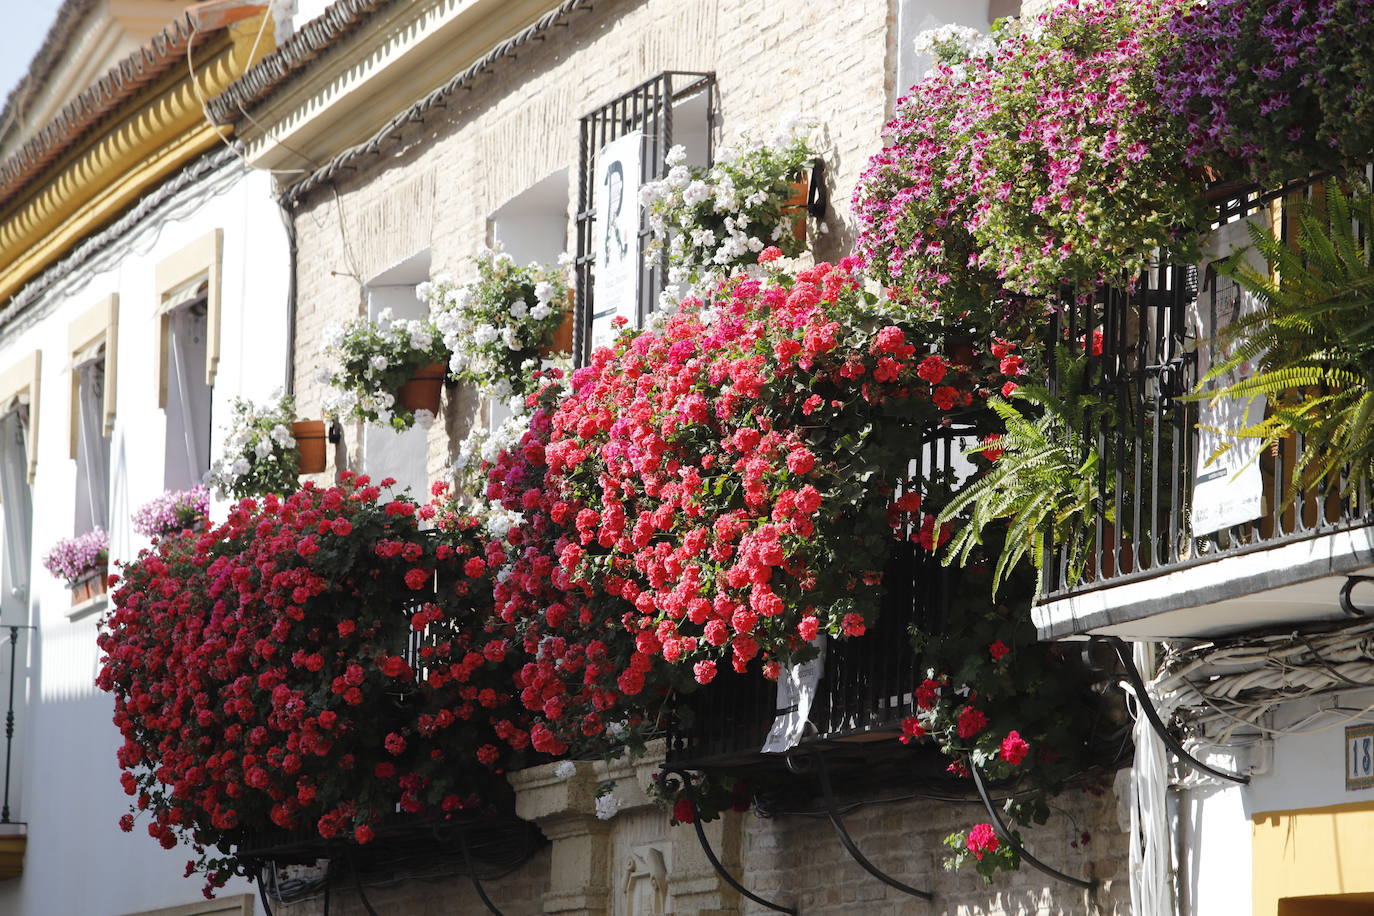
{"x": 310, "y": 445}
{"x": 422, "y": 391}
{"x": 806, "y": 197}
{"x": 562, "y": 340}
{"x": 796, "y": 203}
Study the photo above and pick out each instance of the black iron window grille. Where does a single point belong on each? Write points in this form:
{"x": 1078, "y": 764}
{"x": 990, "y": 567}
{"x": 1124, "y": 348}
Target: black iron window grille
{"x": 648, "y": 108}
{"x": 1148, "y": 449}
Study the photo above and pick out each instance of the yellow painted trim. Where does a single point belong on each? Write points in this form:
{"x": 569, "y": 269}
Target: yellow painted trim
{"x": 162, "y": 131}
{"x": 203, "y": 258}
{"x": 99, "y": 322}
{"x": 1311, "y": 852}
{"x": 25, "y": 376}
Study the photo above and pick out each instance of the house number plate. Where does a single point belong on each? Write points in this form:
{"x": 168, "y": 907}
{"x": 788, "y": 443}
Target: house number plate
{"x": 1359, "y": 757}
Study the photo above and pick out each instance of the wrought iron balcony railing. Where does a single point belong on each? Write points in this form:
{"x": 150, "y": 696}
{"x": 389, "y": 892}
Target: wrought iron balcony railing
{"x": 1147, "y": 520}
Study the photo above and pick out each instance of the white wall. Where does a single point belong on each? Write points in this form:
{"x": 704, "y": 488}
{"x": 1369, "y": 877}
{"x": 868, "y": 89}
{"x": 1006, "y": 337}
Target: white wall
{"x": 78, "y": 862}
{"x": 386, "y": 452}
{"x": 916, "y": 16}
{"x": 1302, "y": 766}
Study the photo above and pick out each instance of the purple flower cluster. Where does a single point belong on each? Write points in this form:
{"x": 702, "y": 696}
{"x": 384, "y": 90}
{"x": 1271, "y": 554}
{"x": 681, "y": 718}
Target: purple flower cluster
{"x": 172, "y": 512}
{"x": 73, "y": 558}
{"x": 1045, "y": 164}
{"x": 1272, "y": 89}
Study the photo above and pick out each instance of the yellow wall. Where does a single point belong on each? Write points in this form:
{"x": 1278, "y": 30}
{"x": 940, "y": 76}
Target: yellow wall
{"x": 1318, "y": 851}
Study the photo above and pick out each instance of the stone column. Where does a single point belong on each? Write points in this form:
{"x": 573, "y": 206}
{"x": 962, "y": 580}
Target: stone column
{"x": 565, "y": 810}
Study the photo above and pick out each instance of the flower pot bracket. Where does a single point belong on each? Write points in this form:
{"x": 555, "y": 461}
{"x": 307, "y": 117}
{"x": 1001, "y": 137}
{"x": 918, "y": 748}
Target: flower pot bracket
{"x": 1010, "y": 838}
{"x": 822, "y": 766}
{"x": 1123, "y": 652}
{"x": 671, "y": 776}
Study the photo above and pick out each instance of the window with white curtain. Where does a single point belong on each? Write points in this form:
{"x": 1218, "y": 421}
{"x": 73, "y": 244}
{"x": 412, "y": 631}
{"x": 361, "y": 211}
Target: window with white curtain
{"x": 17, "y": 503}
{"x": 92, "y": 445}
{"x": 188, "y": 394}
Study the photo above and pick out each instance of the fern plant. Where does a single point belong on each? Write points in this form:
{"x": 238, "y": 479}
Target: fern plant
{"x": 1312, "y": 340}
{"x": 1043, "y": 484}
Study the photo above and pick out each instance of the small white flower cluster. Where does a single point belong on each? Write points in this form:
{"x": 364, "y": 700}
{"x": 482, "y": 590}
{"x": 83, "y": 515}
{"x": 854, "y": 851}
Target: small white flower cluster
{"x": 953, "y": 46}
{"x": 607, "y": 806}
{"x": 565, "y": 769}
{"x": 258, "y": 452}
{"x": 495, "y": 324}
{"x": 365, "y": 360}
{"x": 714, "y": 221}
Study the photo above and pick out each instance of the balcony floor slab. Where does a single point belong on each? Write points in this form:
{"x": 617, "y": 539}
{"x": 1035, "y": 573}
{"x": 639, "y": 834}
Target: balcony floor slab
{"x": 1298, "y": 581}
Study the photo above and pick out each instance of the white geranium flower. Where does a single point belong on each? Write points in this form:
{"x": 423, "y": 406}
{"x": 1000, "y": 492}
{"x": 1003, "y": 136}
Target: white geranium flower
{"x": 424, "y": 290}
{"x": 565, "y": 769}
{"x": 511, "y": 336}
{"x": 262, "y": 448}
{"x": 607, "y": 806}
{"x": 544, "y": 291}
{"x": 677, "y": 154}
{"x": 282, "y": 436}
{"x": 518, "y": 309}
{"x": 241, "y": 466}
{"x": 385, "y": 316}
{"x": 379, "y": 362}
{"x": 540, "y": 311}
{"x": 484, "y": 334}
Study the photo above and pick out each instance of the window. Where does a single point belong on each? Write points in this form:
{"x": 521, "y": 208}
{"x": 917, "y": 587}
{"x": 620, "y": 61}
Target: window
{"x": 188, "y": 285}
{"x": 92, "y": 342}
{"x": 19, "y": 390}
{"x": 187, "y": 404}
{"x": 622, "y": 147}
{"x": 532, "y": 227}
{"x": 385, "y": 452}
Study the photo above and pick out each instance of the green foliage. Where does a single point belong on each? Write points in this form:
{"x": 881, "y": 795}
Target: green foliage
{"x": 1043, "y": 483}
{"x": 1312, "y": 339}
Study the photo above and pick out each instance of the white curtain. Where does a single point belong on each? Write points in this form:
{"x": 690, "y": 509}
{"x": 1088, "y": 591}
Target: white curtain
{"x": 93, "y": 451}
{"x": 188, "y": 399}
{"x": 18, "y": 516}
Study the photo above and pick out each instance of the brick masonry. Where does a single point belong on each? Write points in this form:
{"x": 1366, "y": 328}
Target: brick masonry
{"x": 436, "y": 191}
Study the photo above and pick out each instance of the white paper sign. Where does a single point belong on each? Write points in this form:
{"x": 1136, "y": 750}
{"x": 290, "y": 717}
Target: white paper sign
{"x": 1227, "y": 490}
{"x": 616, "y": 232}
{"x": 796, "y": 693}
{"x": 1359, "y": 757}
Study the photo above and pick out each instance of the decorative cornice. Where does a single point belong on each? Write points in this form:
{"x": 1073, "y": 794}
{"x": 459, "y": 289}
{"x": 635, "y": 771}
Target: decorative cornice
{"x": 92, "y": 184}
{"x": 401, "y": 53}
{"x": 157, "y": 56}
{"x": 353, "y": 156}
{"x": 59, "y": 38}
{"x": 275, "y": 70}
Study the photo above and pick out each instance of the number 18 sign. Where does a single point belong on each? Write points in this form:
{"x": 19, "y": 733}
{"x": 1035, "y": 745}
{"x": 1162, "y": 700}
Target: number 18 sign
{"x": 1359, "y": 757}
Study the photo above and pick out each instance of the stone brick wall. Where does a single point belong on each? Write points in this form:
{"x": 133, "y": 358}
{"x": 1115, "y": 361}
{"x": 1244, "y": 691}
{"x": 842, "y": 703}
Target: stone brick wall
{"x": 437, "y": 190}
{"x": 595, "y": 867}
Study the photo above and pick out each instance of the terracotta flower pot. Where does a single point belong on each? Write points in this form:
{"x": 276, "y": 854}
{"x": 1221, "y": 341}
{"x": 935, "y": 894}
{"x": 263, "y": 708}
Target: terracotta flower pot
{"x": 562, "y": 338}
{"x": 89, "y": 586}
{"x": 423, "y": 389}
{"x": 310, "y": 444}
{"x": 797, "y": 201}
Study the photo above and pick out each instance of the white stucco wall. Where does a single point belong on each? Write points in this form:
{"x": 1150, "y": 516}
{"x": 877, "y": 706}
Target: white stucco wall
{"x": 78, "y": 862}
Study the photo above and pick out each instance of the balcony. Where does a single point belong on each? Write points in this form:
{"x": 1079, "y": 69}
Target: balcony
{"x": 1180, "y": 547}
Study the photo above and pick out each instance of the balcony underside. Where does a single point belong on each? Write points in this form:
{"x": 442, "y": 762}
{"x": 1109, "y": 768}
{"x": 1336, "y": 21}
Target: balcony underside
{"x": 1288, "y": 582}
